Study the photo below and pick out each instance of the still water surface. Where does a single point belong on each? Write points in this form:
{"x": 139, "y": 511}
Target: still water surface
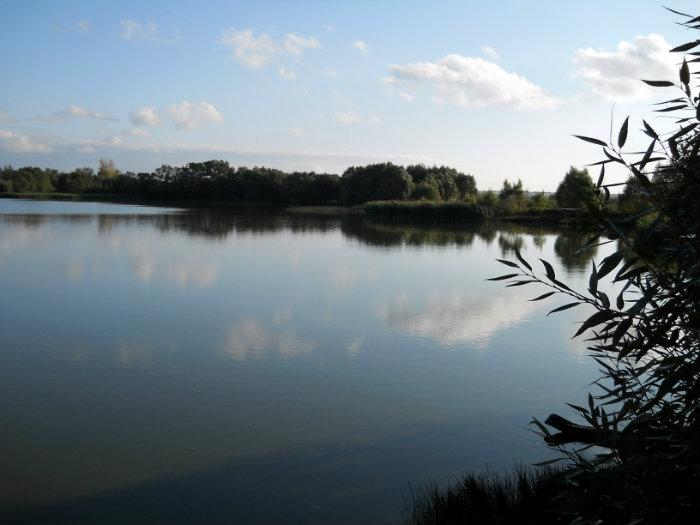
{"x": 199, "y": 366}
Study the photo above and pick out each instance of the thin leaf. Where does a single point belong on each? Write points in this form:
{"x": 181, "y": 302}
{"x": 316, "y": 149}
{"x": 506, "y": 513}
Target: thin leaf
{"x": 622, "y": 136}
{"x": 508, "y": 263}
{"x": 659, "y": 83}
{"x": 672, "y": 108}
{"x": 650, "y": 131}
{"x": 503, "y": 277}
{"x": 564, "y": 307}
{"x": 685, "y": 47}
{"x": 677, "y": 12}
{"x": 522, "y": 260}
{"x": 596, "y": 319}
{"x": 543, "y": 296}
{"x": 647, "y": 155}
{"x": 591, "y": 140}
{"x": 684, "y": 73}
{"x": 549, "y": 270}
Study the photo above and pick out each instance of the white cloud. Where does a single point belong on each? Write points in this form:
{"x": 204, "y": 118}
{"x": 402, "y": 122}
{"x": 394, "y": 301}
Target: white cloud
{"x": 137, "y": 132}
{"x": 146, "y": 116}
{"x": 296, "y": 132}
{"x": 331, "y": 73}
{"x": 133, "y": 30}
{"x": 472, "y": 83}
{"x": 81, "y": 112}
{"x": 347, "y": 117}
{"x": 248, "y": 49}
{"x": 287, "y": 74}
{"x": 408, "y": 97}
{"x": 351, "y": 117}
{"x": 361, "y": 46}
{"x": 490, "y": 52}
{"x": 189, "y": 115}
{"x": 296, "y": 44}
{"x": 615, "y": 75}
{"x": 329, "y": 29}
{"x": 15, "y": 143}
{"x": 83, "y": 25}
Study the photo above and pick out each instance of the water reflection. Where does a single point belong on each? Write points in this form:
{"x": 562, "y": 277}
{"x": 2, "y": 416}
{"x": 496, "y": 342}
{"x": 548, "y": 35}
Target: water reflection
{"x": 220, "y": 225}
{"x": 216, "y": 352}
{"x": 457, "y": 317}
{"x": 251, "y": 339}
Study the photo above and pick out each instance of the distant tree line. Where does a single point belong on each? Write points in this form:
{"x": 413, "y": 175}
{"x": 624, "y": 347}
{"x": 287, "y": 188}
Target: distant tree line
{"x": 217, "y": 180}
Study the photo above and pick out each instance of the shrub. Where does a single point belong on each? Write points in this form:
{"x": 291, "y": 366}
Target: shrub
{"x": 644, "y": 417}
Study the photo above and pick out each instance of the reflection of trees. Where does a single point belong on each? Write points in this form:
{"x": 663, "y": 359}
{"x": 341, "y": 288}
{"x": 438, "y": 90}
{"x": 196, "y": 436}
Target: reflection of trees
{"x": 392, "y": 234}
{"x": 509, "y": 242}
{"x": 218, "y": 224}
{"x": 568, "y": 246}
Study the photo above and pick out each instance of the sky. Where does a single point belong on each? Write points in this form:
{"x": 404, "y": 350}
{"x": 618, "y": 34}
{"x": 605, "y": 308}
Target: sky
{"x": 495, "y": 89}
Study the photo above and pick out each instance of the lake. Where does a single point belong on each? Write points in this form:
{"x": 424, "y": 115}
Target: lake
{"x": 162, "y": 365}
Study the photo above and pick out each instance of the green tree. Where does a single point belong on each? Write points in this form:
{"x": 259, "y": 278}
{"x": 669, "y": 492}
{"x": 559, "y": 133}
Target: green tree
{"x": 575, "y": 189}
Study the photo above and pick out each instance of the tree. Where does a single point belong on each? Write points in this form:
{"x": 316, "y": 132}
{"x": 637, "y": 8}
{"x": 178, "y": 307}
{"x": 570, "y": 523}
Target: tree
{"x": 426, "y": 191}
{"x": 466, "y": 184}
{"x": 107, "y": 169}
{"x": 644, "y": 415}
{"x": 512, "y": 196}
{"x": 575, "y": 189}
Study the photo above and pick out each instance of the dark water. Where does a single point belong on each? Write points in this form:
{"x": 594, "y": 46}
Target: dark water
{"x": 165, "y": 366}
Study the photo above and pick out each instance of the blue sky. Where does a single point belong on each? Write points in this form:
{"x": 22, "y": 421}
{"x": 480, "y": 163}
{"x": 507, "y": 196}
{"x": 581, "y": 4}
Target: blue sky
{"x": 492, "y": 88}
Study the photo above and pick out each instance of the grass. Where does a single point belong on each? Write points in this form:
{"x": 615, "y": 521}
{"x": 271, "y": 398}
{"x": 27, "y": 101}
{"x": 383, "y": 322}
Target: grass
{"x": 452, "y": 211}
{"x": 523, "y": 497}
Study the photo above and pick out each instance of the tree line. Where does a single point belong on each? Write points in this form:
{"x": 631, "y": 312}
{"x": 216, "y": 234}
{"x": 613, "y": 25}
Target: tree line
{"x": 217, "y": 180}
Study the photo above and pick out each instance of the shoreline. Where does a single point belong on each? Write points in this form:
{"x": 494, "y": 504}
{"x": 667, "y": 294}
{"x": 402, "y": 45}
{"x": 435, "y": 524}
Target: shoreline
{"x": 567, "y": 217}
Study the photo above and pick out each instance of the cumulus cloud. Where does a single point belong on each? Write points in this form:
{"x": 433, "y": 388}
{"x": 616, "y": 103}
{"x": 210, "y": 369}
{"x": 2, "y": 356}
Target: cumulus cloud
{"x": 408, "y": 97}
{"x": 295, "y": 45}
{"x": 615, "y": 75}
{"x": 296, "y": 132}
{"x": 472, "y": 83}
{"x": 351, "y": 117}
{"x": 490, "y": 52}
{"x": 361, "y": 46}
{"x": 189, "y": 115}
{"x": 287, "y": 74}
{"x": 12, "y": 142}
{"x": 81, "y": 112}
{"x": 248, "y": 49}
{"x": 146, "y": 116}
{"x": 258, "y": 51}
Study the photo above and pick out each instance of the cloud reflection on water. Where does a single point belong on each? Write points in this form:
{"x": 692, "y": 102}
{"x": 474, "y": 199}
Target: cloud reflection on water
{"x": 250, "y": 339}
{"x": 456, "y": 317}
